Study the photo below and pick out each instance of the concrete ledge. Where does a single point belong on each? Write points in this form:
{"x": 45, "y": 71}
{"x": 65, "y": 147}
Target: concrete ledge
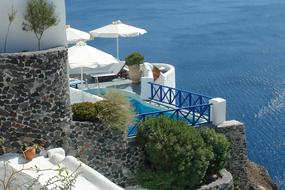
{"x": 33, "y": 53}
{"x": 230, "y": 123}
{"x": 224, "y": 183}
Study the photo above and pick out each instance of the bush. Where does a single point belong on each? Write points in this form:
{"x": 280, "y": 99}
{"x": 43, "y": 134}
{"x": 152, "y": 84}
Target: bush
{"x": 159, "y": 180}
{"x": 134, "y": 59}
{"x": 114, "y": 111}
{"x": 219, "y": 145}
{"x": 85, "y": 111}
{"x": 177, "y": 154}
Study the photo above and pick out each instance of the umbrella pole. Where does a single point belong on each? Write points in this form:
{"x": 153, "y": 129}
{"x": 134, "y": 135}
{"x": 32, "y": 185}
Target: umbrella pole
{"x": 97, "y": 81}
{"x": 81, "y": 76}
{"x": 118, "y": 48}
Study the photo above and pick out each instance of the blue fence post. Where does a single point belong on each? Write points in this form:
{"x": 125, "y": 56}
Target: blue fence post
{"x": 193, "y": 117}
{"x": 160, "y": 94}
{"x": 201, "y": 102}
{"x": 151, "y": 90}
{"x": 190, "y": 100}
{"x": 170, "y": 95}
{"x": 209, "y": 113}
{"x": 179, "y": 99}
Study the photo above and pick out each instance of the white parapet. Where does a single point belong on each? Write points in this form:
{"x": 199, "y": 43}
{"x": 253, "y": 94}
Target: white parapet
{"x": 145, "y": 90}
{"x": 218, "y": 110}
{"x": 78, "y": 96}
{"x": 166, "y": 78}
{"x": 145, "y": 79}
{"x": 45, "y": 167}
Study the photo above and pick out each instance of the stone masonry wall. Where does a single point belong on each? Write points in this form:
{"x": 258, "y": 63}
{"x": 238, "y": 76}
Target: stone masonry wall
{"x": 235, "y": 132}
{"x": 111, "y": 153}
{"x": 34, "y": 98}
{"x": 103, "y": 149}
{"x": 135, "y": 160}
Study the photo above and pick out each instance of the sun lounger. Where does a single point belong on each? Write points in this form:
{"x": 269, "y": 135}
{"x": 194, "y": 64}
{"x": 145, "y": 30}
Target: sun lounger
{"x": 109, "y": 72}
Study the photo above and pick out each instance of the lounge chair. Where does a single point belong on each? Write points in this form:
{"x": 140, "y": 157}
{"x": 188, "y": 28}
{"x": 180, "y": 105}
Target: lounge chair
{"x": 107, "y": 73}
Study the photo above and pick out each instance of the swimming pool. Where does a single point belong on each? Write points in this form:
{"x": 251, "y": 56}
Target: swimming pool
{"x": 193, "y": 115}
{"x": 140, "y": 106}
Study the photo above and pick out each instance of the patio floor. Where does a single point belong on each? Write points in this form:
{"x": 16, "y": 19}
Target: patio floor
{"x": 118, "y": 83}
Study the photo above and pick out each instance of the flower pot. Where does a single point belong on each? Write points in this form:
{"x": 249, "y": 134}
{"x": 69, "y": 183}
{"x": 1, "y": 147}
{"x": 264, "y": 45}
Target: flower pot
{"x": 29, "y": 153}
{"x": 155, "y": 73}
{"x": 135, "y": 73}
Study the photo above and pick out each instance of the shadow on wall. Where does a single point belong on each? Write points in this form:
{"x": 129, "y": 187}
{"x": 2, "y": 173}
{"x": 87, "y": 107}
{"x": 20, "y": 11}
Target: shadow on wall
{"x": 12, "y": 16}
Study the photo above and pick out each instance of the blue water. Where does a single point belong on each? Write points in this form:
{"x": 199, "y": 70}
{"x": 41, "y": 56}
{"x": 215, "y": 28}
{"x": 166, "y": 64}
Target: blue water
{"x": 137, "y": 103}
{"x": 229, "y": 48}
{"x": 139, "y": 106}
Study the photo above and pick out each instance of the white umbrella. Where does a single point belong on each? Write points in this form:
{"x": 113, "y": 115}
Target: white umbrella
{"x": 74, "y": 35}
{"x": 82, "y": 55}
{"x": 117, "y": 29}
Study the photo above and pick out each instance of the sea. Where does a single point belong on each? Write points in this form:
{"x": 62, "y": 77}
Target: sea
{"x": 234, "y": 49}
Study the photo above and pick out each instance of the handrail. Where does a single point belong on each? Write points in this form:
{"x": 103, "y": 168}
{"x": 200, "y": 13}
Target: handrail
{"x": 170, "y": 110}
{"x": 191, "y": 115}
{"x": 176, "y": 97}
{"x": 177, "y": 89}
{"x": 191, "y": 107}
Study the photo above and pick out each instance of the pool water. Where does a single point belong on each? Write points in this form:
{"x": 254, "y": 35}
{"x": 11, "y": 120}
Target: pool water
{"x": 139, "y": 106}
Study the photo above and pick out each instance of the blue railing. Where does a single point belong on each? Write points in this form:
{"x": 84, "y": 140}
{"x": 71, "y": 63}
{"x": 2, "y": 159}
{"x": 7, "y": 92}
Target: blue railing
{"x": 176, "y": 97}
{"x": 193, "y": 115}
{"x": 182, "y": 105}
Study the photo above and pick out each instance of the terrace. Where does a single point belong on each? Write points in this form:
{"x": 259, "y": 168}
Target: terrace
{"x": 160, "y": 97}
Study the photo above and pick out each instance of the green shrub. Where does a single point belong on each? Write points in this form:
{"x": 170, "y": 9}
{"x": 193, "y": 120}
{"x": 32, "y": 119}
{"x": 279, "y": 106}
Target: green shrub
{"x": 85, "y": 111}
{"x": 134, "y": 59}
{"x": 159, "y": 180}
{"x": 176, "y": 153}
{"x": 114, "y": 111}
{"x": 219, "y": 145}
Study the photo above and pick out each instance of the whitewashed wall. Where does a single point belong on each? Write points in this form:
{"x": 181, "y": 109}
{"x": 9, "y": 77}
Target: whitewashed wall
{"x": 20, "y": 40}
{"x": 78, "y": 96}
{"x": 166, "y": 79}
{"x": 147, "y": 77}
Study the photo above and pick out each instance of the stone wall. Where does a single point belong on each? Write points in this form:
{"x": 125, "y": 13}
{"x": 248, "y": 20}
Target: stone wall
{"x": 115, "y": 156}
{"x": 103, "y": 149}
{"x": 135, "y": 159}
{"x": 235, "y": 132}
{"x": 111, "y": 153}
{"x": 34, "y": 98}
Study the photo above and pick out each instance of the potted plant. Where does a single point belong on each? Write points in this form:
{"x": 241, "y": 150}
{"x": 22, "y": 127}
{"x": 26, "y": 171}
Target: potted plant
{"x": 40, "y": 16}
{"x": 133, "y": 61}
{"x": 29, "y": 152}
{"x": 2, "y": 148}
